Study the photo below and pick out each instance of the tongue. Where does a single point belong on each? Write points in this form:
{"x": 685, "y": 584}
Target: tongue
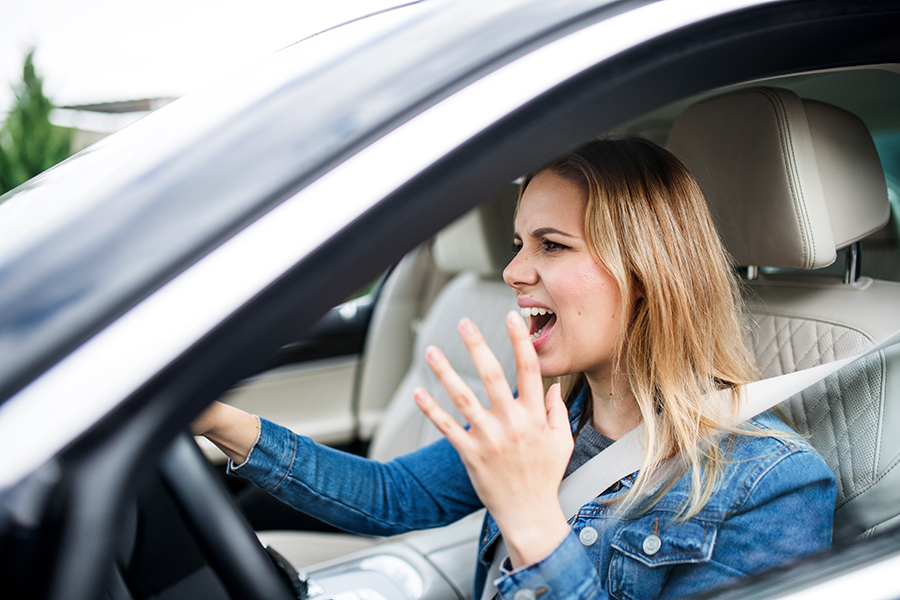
{"x": 539, "y": 322}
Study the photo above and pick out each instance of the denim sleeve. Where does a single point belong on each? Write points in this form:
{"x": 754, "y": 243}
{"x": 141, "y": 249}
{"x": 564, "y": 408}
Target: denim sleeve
{"x": 424, "y": 489}
{"x": 567, "y": 573}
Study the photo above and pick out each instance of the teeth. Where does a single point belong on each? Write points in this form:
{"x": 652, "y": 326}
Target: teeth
{"x": 535, "y": 311}
{"x": 537, "y": 334}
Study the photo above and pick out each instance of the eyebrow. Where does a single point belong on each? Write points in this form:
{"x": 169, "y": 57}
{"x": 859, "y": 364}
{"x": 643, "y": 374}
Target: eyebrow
{"x": 543, "y": 231}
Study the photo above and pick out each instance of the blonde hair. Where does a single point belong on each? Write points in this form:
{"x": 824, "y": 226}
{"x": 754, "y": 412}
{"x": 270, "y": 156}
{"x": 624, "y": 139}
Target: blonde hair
{"x": 680, "y": 337}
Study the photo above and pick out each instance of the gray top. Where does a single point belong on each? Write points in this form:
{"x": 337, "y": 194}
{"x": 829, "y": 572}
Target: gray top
{"x": 588, "y": 444}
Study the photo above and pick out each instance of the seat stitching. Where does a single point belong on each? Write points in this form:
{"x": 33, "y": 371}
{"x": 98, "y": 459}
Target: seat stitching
{"x": 785, "y": 138}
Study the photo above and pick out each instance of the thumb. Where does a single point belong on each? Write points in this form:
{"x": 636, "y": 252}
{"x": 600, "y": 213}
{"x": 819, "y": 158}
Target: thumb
{"x": 557, "y": 414}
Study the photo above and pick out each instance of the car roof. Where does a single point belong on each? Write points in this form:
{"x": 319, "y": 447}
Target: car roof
{"x": 870, "y": 92}
{"x": 129, "y": 213}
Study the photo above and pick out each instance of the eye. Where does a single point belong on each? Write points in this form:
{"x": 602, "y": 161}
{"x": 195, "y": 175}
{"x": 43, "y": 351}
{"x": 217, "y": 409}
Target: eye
{"x": 550, "y": 246}
{"x": 516, "y": 247}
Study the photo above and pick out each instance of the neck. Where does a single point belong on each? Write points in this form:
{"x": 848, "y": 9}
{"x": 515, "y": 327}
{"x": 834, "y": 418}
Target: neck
{"x": 615, "y": 411}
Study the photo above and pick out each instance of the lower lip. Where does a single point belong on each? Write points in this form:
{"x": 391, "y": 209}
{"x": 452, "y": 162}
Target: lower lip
{"x": 542, "y": 340}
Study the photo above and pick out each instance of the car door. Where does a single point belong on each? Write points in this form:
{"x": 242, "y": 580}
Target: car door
{"x": 324, "y": 363}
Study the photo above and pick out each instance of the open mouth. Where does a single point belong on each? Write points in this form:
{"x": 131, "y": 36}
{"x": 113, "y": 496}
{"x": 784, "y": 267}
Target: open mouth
{"x": 540, "y": 319}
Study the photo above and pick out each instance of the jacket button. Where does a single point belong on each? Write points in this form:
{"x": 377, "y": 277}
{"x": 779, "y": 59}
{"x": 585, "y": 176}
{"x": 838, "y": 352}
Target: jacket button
{"x": 588, "y": 536}
{"x": 524, "y": 595}
{"x": 652, "y": 544}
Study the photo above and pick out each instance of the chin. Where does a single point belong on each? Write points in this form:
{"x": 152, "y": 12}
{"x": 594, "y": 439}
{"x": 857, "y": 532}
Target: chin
{"x": 549, "y": 371}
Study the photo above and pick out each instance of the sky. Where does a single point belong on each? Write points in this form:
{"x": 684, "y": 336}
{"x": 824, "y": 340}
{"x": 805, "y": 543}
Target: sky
{"x": 107, "y": 50}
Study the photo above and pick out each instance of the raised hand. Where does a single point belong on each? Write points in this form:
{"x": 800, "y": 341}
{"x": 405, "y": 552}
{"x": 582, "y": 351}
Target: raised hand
{"x": 516, "y": 452}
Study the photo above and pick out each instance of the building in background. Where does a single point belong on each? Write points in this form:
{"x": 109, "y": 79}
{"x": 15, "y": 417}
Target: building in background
{"x": 93, "y": 122}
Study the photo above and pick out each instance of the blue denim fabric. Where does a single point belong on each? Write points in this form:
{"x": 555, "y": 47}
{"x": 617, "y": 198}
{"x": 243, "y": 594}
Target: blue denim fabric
{"x": 774, "y": 505}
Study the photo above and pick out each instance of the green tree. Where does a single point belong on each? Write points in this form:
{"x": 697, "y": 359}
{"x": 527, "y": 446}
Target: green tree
{"x": 29, "y": 144}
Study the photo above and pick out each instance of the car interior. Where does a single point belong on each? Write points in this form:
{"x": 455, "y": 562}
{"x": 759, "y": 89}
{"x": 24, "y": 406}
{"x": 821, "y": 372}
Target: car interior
{"x": 799, "y": 173}
{"x": 814, "y": 159}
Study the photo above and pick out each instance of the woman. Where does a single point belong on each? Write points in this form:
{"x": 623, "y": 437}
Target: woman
{"x": 615, "y": 246}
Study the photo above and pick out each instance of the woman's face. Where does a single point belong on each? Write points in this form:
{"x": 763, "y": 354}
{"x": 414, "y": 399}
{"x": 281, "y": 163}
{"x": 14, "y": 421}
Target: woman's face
{"x": 554, "y": 271}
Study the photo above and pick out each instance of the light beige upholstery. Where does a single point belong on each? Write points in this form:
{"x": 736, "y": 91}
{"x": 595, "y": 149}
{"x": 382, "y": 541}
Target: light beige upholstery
{"x": 486, "y": 302}
{"x": 407, "y": 294}
{"x": 850, "y": 416}
{"x": 469, "y": 256}
{"x": 479, "y": 241}
{"x": 476, "y": 248}
{"x": 789, "y": 181}
{"x": 752, "y": 154}
{"x": 852, "y": 177}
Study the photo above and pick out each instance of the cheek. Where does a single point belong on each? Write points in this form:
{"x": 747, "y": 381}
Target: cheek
{"x": 592, "y": 292}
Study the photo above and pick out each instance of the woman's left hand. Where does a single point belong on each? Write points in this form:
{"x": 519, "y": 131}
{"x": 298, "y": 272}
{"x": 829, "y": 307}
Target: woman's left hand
{"x": 516, "y": 452}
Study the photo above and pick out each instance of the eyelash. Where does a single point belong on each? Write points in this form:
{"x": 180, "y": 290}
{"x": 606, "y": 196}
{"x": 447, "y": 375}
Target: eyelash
{"x": 546, "y": 245}
{"x": 553, "y": 246}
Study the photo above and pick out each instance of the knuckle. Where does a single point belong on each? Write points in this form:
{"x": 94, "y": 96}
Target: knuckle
{"x": 462, "y": 400}
{"x": 490, "y": 452}
{"x": 493, "y": 377}
{"x": 512, "y": 433}
{"x": 529, "y": 368}
{"x": 445, "y": 423}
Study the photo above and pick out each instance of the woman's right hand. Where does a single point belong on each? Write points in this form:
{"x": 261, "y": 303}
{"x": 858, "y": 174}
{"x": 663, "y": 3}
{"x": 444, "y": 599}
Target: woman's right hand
{"x": 515, "y": 452}
{"x": 232, "y": 430}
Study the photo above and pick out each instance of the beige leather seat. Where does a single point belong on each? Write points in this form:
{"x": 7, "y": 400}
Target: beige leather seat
{"x": 465, "y": 261}
{"x": 475, "y": 250}
{"x": 789, "y": 182}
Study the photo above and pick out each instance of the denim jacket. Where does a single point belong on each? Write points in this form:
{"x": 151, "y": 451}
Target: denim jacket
{"x": 774, "y": 505}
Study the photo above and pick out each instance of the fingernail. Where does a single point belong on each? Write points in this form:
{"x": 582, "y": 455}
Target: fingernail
{"x": 432, "y": 354}
{"x": 515, "y": 319}
{"x": 419, "y": 395}
{"x": 466, "y": 326}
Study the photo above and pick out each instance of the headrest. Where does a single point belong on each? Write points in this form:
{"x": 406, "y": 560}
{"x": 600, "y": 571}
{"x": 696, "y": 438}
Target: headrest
{"x": 479, "y": 240}
{"x": 788, "y": 181}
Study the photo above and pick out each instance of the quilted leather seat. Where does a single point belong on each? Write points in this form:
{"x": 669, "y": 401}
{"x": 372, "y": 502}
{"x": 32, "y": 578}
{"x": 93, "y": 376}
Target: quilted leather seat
{"x": 791, "y": 181}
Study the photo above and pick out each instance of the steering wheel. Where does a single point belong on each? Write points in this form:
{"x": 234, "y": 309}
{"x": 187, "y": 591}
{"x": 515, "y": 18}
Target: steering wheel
{"x": 230, "y": 545}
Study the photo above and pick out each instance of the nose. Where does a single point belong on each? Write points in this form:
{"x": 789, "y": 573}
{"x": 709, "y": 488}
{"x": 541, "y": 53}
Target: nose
{"x": 520, "y": 273}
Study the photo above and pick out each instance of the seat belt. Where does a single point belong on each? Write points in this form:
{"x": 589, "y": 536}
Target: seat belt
{"x": 625, "y": 455}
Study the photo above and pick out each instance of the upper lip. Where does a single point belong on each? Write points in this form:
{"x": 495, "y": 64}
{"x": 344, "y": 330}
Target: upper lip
{"x": 529, "y": 303}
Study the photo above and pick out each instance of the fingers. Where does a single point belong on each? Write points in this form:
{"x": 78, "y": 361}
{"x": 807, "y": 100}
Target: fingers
{"x": 531, "y": 389}
{"x": 446, "y": 424}
{"x": 489, "y": 368}
{"x": 531, "y": 386}
{"x": 558, "y": 420}
{"x": 557, "y": 413}
{"x": 460, "y": 393}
